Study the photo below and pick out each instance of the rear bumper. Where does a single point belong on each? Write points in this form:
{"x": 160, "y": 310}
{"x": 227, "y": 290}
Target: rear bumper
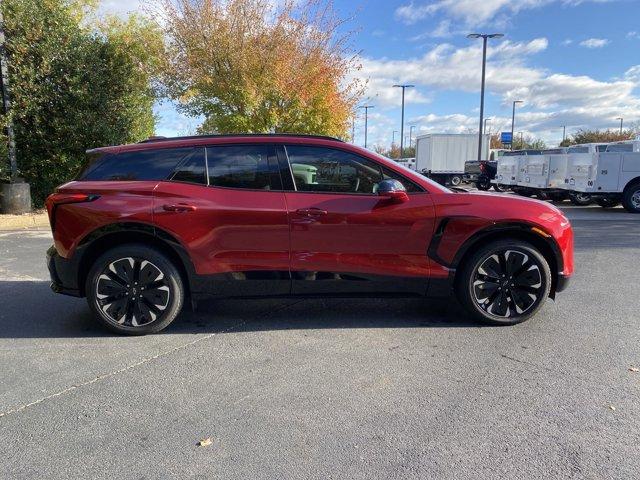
{"x": 63, "y": 273}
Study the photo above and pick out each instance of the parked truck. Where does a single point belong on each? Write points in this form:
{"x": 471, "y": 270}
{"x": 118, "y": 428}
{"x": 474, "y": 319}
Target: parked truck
{"x": 442, "y": 156}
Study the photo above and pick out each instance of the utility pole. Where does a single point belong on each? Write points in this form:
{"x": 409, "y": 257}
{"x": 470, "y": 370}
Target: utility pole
{"x": 485, "y": 124}
{"x": 403, "y": 87}
{"x": 564, "y": 133}
{"x": 393, "y": 137}
{"x": 366, "y": 121}
{"x": 621, "y": 120}
{"x": 6, "y": 101}
{"x": 485, "y": 37}
{"x": 513, "y": 120}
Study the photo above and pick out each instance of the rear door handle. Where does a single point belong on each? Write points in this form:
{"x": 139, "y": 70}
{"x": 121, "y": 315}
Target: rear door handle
{"x": 311, "y": 212}
{"x": 179, "y": 208}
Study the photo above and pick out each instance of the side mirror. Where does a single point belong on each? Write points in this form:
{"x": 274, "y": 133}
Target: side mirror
{"x": 393, "y": 190}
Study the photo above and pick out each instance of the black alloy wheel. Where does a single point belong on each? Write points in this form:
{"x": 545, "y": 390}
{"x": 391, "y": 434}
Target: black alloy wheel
{"x": 505, "y": 282}
{"x": 134, "y": 290}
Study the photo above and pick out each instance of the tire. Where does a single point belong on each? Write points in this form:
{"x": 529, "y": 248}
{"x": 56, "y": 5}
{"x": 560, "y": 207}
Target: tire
{"x": 631, "y": 198}
{"x": 484, "y": 184}
{"x": 580, "y": 199}
{"x": 125, "y": 272}
{"x": 606, "y": 202}
{"x": 455, "y": 180}
{"x": 499, "y": 188}
{"x": 542, "y": 195}
{"x": 485, "y": 274}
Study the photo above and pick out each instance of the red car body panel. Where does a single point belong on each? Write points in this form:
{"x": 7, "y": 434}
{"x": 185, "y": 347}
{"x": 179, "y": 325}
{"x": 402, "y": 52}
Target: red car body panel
{"x": 233, "y": 232}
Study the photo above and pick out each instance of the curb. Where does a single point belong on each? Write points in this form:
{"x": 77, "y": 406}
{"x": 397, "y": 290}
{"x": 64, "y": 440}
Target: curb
{"x": 19, "y": 222}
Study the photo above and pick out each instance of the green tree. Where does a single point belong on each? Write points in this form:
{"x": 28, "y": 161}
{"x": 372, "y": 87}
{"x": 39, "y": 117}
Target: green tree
{"x": 249, "y": 66}
{"x": 599, "y": 136}
{"x": 76, "y": 84}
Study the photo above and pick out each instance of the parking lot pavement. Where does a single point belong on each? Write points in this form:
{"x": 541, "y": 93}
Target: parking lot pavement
{"x": 328, "y": 388}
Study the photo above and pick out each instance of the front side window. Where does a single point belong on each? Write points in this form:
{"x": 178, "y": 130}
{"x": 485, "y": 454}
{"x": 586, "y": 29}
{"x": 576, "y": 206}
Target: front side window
{"x": 154, "y": 164}
{"x": 241, "y": 166}
{"x": 321, "y": 169}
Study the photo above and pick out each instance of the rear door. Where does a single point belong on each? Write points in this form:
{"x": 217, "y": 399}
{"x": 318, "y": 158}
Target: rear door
{"x": 344, "y": 237}
{"x": 226, "y": 206}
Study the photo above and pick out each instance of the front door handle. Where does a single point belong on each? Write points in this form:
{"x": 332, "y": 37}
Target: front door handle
{"x": 182, "y": 207}
{"x": 311, "y": 212}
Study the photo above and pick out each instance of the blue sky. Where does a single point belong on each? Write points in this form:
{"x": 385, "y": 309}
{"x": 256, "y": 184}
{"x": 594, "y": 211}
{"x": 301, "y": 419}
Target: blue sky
{"x": 572, "y": 62}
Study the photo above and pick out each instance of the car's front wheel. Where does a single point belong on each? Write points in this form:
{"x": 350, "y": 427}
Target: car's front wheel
{"x": 504, "y": 282}
{"x": 134, "y": 290}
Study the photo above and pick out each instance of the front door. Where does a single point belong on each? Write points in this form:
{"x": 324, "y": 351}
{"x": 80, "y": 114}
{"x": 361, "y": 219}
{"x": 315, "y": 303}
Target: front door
{"x": 232, "y": 221}
{"x": 344, "y": 237}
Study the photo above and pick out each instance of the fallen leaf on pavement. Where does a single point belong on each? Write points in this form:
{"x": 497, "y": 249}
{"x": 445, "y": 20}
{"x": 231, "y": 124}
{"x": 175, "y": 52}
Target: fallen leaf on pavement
{"x": 611, "y": 407}
{"x": 205, "y": 442}
{"x": 634, "y": 369}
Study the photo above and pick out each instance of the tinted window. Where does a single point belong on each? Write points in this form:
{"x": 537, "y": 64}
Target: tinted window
{"x": 143, "y": 165}
{"x": 601, "y": 148}
{"x": 192, "y": 169}
{"x": 578, "y": 150}
{"x": 620, "y": 148}
{"x": 408, "y": 185}
{"x": 242, "y": 166}
{"x": 318, "y": 169}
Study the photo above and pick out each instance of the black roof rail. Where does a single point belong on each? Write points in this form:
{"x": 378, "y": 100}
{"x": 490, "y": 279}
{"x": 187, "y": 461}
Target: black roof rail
{"x": 228, "y": 135}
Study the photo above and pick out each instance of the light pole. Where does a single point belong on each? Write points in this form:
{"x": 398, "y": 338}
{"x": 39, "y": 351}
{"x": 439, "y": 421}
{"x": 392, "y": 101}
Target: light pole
{"x": 484, "y": 37}
{"x": 621, "y": 120}
{"x": 393, "y": 137}
{"x": 485, "y": 123}
{"x": 403, "y": 87}
{"x": 366, "y": 121}
{"x": 513, "y": 120}
{"x": 564, "y": 133}
{"x": 411, "y": 135}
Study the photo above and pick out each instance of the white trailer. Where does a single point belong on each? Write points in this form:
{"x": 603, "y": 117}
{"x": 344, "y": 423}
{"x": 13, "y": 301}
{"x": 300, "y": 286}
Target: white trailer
{"x": 610, "y": 179}
{"x": 511, "y": 169}
{"x": 442, "y": 156}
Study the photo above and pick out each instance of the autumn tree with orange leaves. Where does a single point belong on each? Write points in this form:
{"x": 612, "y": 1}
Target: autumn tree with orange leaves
{"x": 248, "y": 66}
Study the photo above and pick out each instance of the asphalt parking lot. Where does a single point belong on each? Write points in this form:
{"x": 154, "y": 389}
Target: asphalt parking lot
{"x": 328, "y": 389}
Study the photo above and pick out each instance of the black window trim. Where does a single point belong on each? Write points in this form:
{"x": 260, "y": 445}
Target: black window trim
{"x": 380, "y": 166}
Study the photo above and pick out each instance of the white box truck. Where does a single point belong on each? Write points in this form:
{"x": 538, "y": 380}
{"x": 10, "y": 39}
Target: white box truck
{"x": 442, "y": 156}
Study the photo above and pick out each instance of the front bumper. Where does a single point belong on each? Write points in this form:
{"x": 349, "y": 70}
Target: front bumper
{"x": 63, "y": 273}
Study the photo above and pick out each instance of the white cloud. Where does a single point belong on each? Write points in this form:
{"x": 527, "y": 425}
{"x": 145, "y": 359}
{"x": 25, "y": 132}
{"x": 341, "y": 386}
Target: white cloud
{"x": 594, "y": 42}
{"x": 633, "y": 35}
{"x": 474, "y": 12}
{"x": 567, "y": 42}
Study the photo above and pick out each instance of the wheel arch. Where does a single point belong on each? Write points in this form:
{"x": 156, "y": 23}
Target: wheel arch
{"x": 519, "y": 231}
{"x": 102, "y": 239}
{"x": 631, "y": 182}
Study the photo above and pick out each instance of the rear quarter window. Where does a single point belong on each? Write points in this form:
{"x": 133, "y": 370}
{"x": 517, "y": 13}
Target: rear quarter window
{"x": 155, "y": 164}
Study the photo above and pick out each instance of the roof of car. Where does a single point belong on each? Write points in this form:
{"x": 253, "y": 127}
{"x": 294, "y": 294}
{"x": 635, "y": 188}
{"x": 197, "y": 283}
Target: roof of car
{"x": 165, "y": 142}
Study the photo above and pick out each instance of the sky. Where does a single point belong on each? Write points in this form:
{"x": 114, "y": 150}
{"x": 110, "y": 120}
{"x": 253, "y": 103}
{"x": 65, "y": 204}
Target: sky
{"x": 573, "y": 63}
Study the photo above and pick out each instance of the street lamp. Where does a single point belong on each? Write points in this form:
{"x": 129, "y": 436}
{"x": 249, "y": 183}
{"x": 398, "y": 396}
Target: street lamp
{"x": 485, "y": 123}
{"x": 393, "y": 137}
{"x": 366, "y": 121}
{"x": 403, "y": 87}
{"x": 621, "y": 120}
{"x": 484, "y": 37}
{"x": 564, "y": 133}
{"x": 513, "y": 120}
{"x": 411, "y": 135}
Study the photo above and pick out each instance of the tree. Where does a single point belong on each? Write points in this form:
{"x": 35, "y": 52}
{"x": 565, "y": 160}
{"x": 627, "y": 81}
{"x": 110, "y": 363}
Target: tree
{"x": 247, "y": 66}
{"x": 76, "y": 85}
{"x": 599, "y": 136}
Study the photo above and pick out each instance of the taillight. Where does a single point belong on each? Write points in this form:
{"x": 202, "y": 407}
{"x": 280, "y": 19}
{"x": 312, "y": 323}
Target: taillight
{"x": 59, "y": 198}
{"x": 483, "y": 167}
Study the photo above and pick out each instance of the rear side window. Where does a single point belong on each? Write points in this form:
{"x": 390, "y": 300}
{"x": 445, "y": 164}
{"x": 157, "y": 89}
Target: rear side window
{"x": 242, "y": 166}
{"x": 192, "y": 169}
{"x": 142, "y": 165}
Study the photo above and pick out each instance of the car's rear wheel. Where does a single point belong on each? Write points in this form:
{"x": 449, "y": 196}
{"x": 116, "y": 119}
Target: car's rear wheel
{"x": 483, "y": 183}
{"x": 631, "y": 198}
{"x": 504, "y": 282}
{"x": 134, "y": 290}
{"x": 455, "y": 180}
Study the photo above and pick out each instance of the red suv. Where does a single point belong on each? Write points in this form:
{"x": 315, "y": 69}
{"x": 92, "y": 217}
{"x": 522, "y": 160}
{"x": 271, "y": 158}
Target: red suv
{"x": 146, "y": 227}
